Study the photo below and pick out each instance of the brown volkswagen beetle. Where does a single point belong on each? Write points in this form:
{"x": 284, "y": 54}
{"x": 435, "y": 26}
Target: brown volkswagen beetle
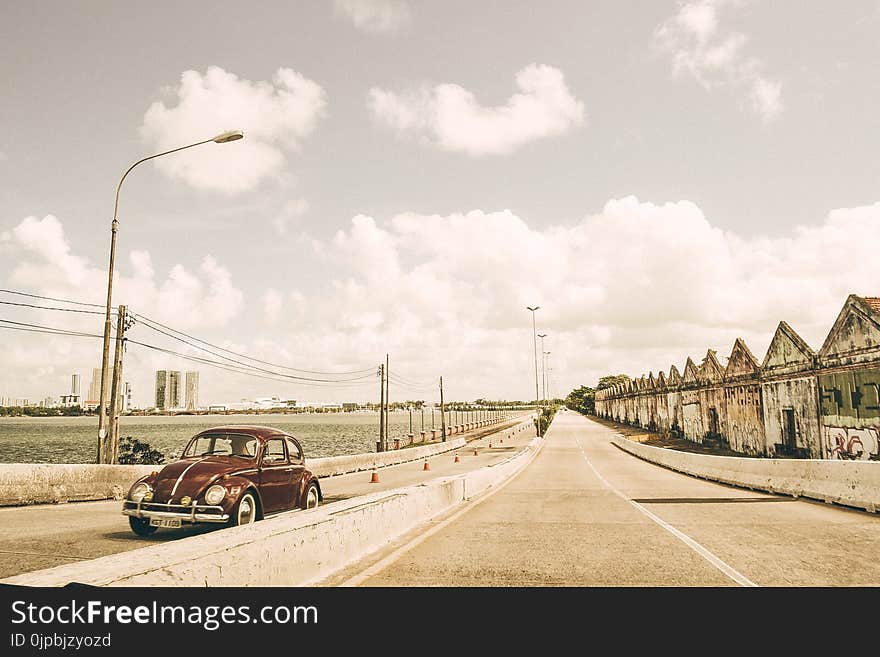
{"x": 231, "y": 475}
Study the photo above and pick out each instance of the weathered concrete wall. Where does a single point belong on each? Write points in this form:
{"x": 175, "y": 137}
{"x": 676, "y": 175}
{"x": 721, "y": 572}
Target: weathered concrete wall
{"x": 771, "y": 408}
{"x": 30, "y": 483}
{"x": 692, "y": 416}
{"x": 855, "y": 484}
{"x": 297, "y": 548}
{"x": 713, "y": 410}
{"x": 745, "y": 418}
{"x": 850, "y": 414}
{"x": 797, "y": 395}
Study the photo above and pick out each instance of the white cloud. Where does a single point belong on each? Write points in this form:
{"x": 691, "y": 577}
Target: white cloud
{"x": 715, "y": 57}
{"x": 637, "y": 286}
{"x": 374, "y": 16}
{"x": 451, "y": 118}
{"x": 204, "y": 299}
{"x": 275, "y": 117}
{"x": 290, "y": 212}
{"x": 273, "y": 303}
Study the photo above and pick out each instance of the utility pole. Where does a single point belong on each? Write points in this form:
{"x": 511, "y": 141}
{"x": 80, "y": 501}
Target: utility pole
{"x": 387, "y": 398}
{"x": 381, "y": 444}
{"x": 110, "y": 446}
{"x": 442, "y": 411}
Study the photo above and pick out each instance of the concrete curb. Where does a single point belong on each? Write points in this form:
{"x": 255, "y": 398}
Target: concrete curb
{"x": 293, "y": 549}
{"x": 52, "y": 483}
{"x": 850, "y": 483}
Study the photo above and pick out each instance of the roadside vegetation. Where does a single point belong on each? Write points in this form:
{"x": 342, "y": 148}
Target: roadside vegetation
{"x": 583, "y": 399}
{"x": 137, "y": 452}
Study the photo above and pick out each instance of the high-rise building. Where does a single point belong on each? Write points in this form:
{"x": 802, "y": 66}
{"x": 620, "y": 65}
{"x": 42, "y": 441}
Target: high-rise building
{"x": 74, "y": 384}
{"x": 192, "y": 391}
{"x": 95, "y": 387}
{"x": 126, "y": 398}
{"x": 167, "y": 389}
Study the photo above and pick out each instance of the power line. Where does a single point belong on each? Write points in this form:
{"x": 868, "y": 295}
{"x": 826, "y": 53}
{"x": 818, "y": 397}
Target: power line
{"x": 37, "y": 328}
{"x": 247, "y": 372}
{"x": 259, "y": 369}
{"x": 67, "y": 310}
{"x": 152, "y": 324}
{"x": 37, "y": 296}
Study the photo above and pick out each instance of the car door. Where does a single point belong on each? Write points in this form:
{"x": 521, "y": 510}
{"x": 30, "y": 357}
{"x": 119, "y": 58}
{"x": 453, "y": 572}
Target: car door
{"x": 275, "y": 471}
{"x": 297, "y": 470}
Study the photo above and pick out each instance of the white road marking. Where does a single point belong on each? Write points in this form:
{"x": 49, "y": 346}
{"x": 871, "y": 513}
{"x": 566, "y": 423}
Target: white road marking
{"x": 732, "y": 573}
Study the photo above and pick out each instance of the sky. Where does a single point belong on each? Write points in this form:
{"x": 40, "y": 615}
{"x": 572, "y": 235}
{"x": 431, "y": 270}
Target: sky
{"x": 659, "y": 178}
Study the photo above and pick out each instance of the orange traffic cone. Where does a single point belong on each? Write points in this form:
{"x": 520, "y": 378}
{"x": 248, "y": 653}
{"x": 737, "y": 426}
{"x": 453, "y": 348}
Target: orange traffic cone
{"x": 374, "y": 478}
{"x": 457, "y": 460}
{"x": 475, "y": 452}
{"x": 490, "y": 445}
{"x": 427, "y": 467}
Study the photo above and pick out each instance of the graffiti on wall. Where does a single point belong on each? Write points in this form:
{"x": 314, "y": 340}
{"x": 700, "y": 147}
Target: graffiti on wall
{"x": 851, "y": 414}
{"x": 854, "y": 395}
{"x": 852, "y": 444}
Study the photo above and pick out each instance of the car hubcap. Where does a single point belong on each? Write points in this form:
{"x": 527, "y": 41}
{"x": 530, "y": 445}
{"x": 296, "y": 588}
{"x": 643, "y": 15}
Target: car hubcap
{"x": 245, "y": 512}
{"x": 312, "y": 500}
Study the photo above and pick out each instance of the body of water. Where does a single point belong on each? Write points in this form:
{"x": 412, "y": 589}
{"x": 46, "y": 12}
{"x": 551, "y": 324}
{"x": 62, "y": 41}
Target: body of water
{"x": 74, "y": 439}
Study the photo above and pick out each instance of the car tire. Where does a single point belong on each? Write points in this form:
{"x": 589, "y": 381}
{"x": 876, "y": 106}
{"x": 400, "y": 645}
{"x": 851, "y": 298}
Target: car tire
{"x": 140, "y": 526}
{"x": 245, "y": 510}
{"x": 313, "y": 497}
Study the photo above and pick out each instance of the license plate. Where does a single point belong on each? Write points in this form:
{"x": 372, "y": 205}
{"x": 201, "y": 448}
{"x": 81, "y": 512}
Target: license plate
{"x": 165, "y": 522}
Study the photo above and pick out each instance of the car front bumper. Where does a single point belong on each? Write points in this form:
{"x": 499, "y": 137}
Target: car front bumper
{"x": 194, "y": 513}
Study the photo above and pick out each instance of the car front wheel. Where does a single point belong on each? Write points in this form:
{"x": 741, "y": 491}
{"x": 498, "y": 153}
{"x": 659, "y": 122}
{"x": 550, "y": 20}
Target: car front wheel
{"x": 140, "y": 526}
{"x": 312, "y": 496}
{"x": 245, "y": 512}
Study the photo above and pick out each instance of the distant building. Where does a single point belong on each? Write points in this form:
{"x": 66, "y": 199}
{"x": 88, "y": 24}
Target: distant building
{"x": 126, "y": 398}
{"x": 167, "y": 389}
{"x": 92, "y": 401}
{"x": 192, "y": 391}
{"x": 74, "y": 384}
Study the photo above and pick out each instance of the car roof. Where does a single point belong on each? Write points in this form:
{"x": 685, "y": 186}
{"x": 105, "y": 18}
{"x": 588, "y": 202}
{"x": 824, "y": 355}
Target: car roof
{"x": 251, "y": 429}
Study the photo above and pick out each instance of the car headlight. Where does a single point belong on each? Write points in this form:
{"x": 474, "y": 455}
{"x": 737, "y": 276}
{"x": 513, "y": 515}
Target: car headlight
{"x": 138, "y": 491}
{"x": 215, "y": 494}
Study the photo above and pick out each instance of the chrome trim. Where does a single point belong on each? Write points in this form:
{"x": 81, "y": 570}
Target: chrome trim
{"x": 180, "y": 478}
{"x": 185, "y": 513}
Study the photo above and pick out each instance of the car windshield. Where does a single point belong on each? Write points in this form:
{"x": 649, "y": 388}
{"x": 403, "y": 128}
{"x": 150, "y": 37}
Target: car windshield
{"x": 224, "y": 444}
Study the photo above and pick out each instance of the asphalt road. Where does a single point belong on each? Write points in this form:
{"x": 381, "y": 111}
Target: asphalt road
{"x": 585, "y": 513}
{"x": 42, "y": 536}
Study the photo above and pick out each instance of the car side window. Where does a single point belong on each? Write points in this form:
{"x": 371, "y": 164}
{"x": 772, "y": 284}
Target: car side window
{"x": 293, "y": 448}
{"x": 274, "y": 451}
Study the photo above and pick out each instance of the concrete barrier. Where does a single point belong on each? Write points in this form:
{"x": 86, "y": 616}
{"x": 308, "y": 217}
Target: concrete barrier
{"x": 30, "y": 483}
{"x": 53, "y": 483}
{"x": 850, "y": 483}
{"x": 297, "y": 548}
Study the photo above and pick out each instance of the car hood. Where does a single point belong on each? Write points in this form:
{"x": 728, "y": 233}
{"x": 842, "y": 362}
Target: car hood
{"x": 189, "y": 477}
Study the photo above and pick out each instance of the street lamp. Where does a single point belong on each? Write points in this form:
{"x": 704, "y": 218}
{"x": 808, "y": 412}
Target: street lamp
{"x": 543, "y": 375}
{"x": 103, "y": 457}
{"x": 535, "y": 341}
{"x": 547, "y": 392}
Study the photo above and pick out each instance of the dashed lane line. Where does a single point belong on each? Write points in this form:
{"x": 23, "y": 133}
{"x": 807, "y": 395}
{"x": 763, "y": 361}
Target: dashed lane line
{"x": 732, "y": 573}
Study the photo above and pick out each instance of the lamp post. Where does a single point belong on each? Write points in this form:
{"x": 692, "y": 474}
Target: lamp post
{"x": 547, "y": 375}
{"x": 543, "y": 375}
{"x": 535, "y": 341}
{"x": 102, "y": 456}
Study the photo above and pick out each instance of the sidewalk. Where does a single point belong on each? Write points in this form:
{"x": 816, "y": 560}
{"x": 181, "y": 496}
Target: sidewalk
{"x": 642, "y": 435}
